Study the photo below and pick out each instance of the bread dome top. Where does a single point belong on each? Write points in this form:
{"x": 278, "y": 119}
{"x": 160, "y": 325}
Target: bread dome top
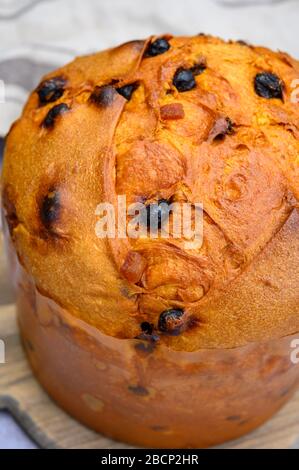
{"x": 188, "y": 119}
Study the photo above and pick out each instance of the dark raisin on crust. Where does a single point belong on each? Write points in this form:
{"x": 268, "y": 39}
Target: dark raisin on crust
{"x": 171, "y": 321}
{"x": 268, "y": 85}
{"x": 199, "y": 68}
{"x": 157, "y": 47}
{"x": 51, "y": 90}
{"x": 138, "y": 390}
{"x": 54, "y": 112}
{"x": 147, "y": 327}
{"x": 156, "y": 213}
{"x": 103, "y": 95}
{"x": 230, "y": 126}
{"x": 148, "y": 338}
{"x": 184, "y": 80}
{"x": 127, "y": 90}
{"x": 50, "y": 208}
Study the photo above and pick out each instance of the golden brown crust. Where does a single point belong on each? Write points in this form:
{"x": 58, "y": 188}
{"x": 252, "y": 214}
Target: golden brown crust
{"x": 243, "y": 284}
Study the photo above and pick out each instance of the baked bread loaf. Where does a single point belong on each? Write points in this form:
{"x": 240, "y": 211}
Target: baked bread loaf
{"x": 192, "y": 119}
{"x": 145, "y": 339}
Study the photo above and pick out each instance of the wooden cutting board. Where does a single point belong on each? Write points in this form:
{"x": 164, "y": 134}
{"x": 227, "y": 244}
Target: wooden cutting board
{"x": 51, "y": 427}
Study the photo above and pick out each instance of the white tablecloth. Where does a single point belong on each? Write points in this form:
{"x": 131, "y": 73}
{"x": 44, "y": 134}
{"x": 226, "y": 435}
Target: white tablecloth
{"x": 38, "y": 35}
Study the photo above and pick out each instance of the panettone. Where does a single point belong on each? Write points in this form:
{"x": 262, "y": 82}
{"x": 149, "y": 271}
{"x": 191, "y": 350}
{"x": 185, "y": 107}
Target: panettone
{"x": 186, "y": 119}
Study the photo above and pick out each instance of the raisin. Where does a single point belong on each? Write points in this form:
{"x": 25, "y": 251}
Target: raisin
{"x": 268, "y": 85}
{"x": 157, "y": 47}
{"x": 127, "y": 90}
{"x": 51, "y": 90}
{"x": 156, "y": 213}
{"x": 230, "y": 126}
{"x": 147, "y": 327}
{"x": 138, "y": 390}
{"x": 199, "y": 68}
{"x": 184, "y": 80}
{"x": 50, "y": 208}
{"x": 56, "y": 111}
{"x": 172, "y": 321}
{"x": 103, "y": 95}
